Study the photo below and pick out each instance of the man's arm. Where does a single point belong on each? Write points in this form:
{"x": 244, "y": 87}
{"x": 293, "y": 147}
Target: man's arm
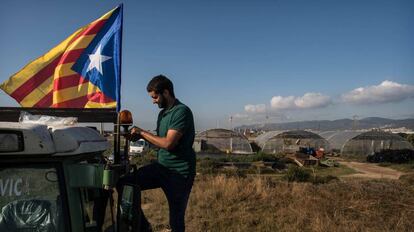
{"x": 168, "y": 143}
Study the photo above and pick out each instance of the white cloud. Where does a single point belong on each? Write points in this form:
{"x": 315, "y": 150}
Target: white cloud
{"x": 307, "y": 101}
{"x": 313, "y": 100}
{"x": 260, "y": 108}
{"x": 279, "y": 102}
{"x": 387, "y": 91}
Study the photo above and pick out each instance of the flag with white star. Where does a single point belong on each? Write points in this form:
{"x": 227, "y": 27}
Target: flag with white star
{"x": 83, "y": 71}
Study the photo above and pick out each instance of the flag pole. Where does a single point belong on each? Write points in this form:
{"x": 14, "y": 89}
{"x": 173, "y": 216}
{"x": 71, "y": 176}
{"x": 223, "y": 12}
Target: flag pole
{"x": 121, "y": 12}
{"x": 117, "y": 142}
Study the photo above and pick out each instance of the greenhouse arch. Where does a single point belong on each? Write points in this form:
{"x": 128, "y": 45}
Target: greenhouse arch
{"x": 374, "y": 141}
{"x": 290, "y": 141}
{"x": 222, "y": 141}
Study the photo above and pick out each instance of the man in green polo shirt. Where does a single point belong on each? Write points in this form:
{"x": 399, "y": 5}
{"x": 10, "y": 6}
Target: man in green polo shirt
{"x": 175, "y": 170}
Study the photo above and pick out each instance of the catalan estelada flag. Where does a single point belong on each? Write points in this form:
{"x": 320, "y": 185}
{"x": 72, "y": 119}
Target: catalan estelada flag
{"x": 83, "y": 71}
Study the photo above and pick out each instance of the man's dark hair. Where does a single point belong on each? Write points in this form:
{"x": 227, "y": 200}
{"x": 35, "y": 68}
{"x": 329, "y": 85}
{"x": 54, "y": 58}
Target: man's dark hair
{"x": 160, "y": 83}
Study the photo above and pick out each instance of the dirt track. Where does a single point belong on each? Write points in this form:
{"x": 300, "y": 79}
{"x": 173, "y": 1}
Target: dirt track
{"x": 368, "y": 170}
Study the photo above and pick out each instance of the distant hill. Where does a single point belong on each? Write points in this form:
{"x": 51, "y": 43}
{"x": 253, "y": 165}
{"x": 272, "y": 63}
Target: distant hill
{"x": 340, "y": 124}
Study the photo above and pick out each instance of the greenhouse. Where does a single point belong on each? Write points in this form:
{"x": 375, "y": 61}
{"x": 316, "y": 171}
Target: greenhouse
{"x": 222, "y": 140}
{"x": 374, "y": 141}
{"x": 262, "y": 139}
{"x": 290, "y": 141}
{"x": 337, "y": 139}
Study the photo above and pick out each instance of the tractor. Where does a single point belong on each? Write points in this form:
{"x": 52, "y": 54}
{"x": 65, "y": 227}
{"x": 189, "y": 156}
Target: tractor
{"x": 55, "y": 177}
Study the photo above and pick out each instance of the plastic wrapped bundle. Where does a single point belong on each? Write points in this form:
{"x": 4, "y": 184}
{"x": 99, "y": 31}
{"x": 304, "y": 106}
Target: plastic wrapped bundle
{"x": 27, "y": 215}
{"x": 25, "y": 117}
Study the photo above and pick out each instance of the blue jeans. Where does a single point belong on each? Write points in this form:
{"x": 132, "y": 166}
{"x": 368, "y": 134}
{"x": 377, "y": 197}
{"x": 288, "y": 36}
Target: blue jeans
{"x": 176, "y": 187}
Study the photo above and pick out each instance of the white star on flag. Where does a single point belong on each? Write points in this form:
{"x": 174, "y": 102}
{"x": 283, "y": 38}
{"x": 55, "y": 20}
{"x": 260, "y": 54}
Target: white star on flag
{"x": 97, "y": 59}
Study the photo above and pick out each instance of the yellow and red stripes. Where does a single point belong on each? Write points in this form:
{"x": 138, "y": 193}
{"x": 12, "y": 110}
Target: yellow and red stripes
{"x": 49, "y": 80}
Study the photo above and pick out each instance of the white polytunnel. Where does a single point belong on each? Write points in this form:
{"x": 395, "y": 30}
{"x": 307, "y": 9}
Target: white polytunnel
{"x": 337, "y": 139}
{"x": 222, "y": 141}
{"x": 290, "y": 141}
{"x": 375, "y": 141}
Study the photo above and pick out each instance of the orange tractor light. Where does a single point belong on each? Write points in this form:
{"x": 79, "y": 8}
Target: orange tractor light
{"x": 125, "y": 117}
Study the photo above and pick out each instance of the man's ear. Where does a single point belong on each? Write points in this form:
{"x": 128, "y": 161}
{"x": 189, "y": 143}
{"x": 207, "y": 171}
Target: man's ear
{"x": 166, "y": 93}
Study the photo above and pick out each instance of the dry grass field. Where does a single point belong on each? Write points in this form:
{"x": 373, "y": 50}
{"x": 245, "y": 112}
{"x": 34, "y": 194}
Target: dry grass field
{"x": 289, "y": 198}
{"x": 220, "y": 203}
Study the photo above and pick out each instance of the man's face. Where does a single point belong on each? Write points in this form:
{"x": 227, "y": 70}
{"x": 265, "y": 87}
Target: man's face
{"x": 158, "y": 99}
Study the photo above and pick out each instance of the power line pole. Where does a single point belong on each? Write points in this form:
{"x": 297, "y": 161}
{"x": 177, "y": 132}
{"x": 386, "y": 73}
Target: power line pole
{"x": 354, "y": 122}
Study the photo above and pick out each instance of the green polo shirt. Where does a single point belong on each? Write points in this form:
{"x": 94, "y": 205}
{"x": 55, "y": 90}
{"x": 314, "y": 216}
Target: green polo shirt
{"x": 182, "y": 158}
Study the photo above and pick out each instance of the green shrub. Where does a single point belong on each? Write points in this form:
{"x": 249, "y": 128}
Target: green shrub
{"x": 234, "y": 173}
{"x": 144, "y": 158}
{"x": 207, "y": 166}
{"x": 297, "y": 174}
{"x": 323, "y": 179}
{"x": 260, "y": 156}
{"x": 301, "y": 174}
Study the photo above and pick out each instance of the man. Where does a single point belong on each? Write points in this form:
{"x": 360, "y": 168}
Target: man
{"x": 175, "y": 169}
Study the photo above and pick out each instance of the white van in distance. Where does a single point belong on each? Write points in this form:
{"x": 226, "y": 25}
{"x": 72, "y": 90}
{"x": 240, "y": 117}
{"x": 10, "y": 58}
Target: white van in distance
{"x": 138, "y": 147}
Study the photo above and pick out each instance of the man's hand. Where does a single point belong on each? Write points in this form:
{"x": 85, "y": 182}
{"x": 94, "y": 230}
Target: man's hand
{"x": 168, "y": 142}
{"x": 134, "y": 134}
{"x": 136, "y": 130}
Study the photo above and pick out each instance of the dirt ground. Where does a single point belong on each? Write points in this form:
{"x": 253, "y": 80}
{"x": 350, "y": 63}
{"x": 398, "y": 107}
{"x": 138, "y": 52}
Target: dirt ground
{"x": 368, "y": 170}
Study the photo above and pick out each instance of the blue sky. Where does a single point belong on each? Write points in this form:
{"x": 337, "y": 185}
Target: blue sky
{"x": 257, "y": 61}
